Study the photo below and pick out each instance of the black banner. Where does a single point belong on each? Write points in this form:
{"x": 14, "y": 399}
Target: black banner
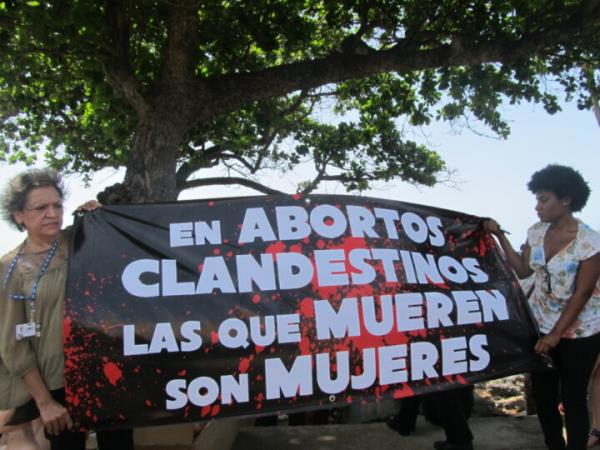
{"x": 205, "y": 309}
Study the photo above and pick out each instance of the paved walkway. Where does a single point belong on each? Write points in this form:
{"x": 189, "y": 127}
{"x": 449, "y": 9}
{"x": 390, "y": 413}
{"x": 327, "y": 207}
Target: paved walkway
{"x": 491, "y": 433}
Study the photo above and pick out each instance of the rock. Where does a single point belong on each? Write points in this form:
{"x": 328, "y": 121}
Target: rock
{"x": 501, "y": 397}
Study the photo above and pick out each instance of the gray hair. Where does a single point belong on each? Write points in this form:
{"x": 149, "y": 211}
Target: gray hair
{"x": 14, "y": 195}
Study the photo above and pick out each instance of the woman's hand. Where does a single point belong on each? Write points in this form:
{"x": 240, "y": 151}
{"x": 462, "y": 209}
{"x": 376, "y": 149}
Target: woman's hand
{"x": 90, "y": 205}
{"x": 546, "y": 343}
{"x": 491, "y": 226}
{"x": 54, "y": 416}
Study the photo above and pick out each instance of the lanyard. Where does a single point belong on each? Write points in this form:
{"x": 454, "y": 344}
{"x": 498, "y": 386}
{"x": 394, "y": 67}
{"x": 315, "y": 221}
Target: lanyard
{"x": 34, "y": 286}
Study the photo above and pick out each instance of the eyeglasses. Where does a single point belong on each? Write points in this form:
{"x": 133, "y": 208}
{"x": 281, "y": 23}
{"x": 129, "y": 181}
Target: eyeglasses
{"x": 41, "y": 209}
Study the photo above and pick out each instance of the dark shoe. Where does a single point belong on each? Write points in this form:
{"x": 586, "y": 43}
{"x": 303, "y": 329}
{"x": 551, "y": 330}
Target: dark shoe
{"x": 445, "y": 445}
{"x": 402, "y": 428}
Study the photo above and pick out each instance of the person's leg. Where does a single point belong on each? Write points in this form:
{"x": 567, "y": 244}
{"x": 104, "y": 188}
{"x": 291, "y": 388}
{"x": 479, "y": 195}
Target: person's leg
{"x": 38, "y": 433}
{"x": 544, "y": 390}
{"x": 115, "y": 439}
{"x": 18, "y": 437}
{"x": 595, "y": 403}
{"x": 21, "y": 437}
{"x": 68, "y": 440}
{"x": 405, "y": 420}
{"x": 578, "y": 357}
{"x": 452, "y": 415}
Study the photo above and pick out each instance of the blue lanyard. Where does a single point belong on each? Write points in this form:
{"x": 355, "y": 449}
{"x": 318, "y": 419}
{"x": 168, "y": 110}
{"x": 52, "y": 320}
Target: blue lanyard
{"x": 34, "y": 286}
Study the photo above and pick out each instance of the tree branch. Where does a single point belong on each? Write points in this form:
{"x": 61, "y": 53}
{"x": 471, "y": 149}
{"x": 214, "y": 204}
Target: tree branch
{"x": 229, "y": 92}
{"x": 116, "y": 65}
{"x": 596, "y": 108}
{"x": 229, "y": 181}
{"x": 270, "y": 135}
{"x": 594, "y": 90}
{"x": 314, "y": 183}
{"x": 182, "y": 43}
{"x": 196, "y": 163}
{"x": 217, "y": 153}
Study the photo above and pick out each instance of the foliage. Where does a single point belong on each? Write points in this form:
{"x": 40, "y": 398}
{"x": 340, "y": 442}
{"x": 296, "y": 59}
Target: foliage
{"x": 168, "y": 87}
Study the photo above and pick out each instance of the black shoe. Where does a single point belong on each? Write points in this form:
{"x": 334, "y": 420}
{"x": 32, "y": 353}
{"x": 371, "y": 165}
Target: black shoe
{"x": 445, "y": 445}
{"x": 399, "y": 427}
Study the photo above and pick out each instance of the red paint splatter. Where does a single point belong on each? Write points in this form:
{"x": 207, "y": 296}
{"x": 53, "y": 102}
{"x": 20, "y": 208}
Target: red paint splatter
{"x": 245, "y": 364}
{"x": 306, "y": 307}
{"x": 276, "y": 247}
{"x": 112, "y": 372}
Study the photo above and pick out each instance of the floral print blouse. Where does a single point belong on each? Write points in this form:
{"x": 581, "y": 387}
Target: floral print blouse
{"x": 555, "y": 280}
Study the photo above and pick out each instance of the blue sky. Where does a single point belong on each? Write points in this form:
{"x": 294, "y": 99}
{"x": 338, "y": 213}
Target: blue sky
{"x": 491, "y": 174}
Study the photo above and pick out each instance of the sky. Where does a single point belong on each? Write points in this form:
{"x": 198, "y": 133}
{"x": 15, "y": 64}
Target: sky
{"x": 489, "y": 175}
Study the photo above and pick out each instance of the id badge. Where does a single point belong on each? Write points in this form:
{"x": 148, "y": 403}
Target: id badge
{"x": 27, "y": 330}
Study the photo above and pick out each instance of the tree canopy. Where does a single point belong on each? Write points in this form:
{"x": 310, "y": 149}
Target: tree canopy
{"x": 168, "y": 87}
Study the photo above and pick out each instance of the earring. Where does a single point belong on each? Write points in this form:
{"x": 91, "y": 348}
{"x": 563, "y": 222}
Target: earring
{"x": 565, "y": 203}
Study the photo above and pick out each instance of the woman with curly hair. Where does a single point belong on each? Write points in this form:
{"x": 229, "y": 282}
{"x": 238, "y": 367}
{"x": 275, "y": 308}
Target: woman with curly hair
{"x": 32, "y": 293}
{"x": 563, "y": 254}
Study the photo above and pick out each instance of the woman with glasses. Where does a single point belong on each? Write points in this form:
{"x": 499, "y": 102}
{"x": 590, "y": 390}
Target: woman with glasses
{"x": 563, "y": 255}
{"x": 31, "y": 316}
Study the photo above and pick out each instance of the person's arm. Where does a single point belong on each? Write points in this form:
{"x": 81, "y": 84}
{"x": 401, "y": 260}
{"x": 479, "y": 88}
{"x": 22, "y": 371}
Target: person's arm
{"x": 55, "y": 416}
{"x": 518, "y": 262}
{"x": 587, "y": 277}
{"x": 17, "y": 355}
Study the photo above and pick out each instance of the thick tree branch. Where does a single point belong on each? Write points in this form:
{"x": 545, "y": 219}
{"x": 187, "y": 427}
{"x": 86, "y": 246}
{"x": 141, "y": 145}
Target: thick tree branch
{"x": 196, "y": 163}
{"x": 182, "y": 43}
{"x": 116, "y": 65}
{"x": 229, "y": 92}
{"x": 229, "y": 181}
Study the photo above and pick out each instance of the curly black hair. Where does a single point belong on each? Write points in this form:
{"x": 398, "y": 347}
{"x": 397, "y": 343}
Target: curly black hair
{"x": 563, "y": 182}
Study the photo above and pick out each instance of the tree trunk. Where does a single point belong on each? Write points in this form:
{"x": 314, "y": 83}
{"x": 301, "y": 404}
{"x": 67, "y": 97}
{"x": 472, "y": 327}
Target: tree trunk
{"x": 152, "y": 164}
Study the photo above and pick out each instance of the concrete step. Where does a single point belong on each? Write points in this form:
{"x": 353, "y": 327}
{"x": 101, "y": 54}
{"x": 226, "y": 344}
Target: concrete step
{"x": 491, "y": 433}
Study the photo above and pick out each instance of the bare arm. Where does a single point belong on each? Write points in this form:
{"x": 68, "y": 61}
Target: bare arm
{"x": 54, "y": 415}
{"x": 518, "y": 262}
{"x": 587, "y": 277}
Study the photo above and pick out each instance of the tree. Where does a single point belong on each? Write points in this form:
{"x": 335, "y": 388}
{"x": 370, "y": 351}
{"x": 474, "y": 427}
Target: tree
{"x": 593, "y": 89}
{"x": 168, "y": 87}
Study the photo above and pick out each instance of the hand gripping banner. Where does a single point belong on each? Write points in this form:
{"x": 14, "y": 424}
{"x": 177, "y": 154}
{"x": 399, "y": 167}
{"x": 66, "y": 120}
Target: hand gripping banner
{"x": 206, "y": 309}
